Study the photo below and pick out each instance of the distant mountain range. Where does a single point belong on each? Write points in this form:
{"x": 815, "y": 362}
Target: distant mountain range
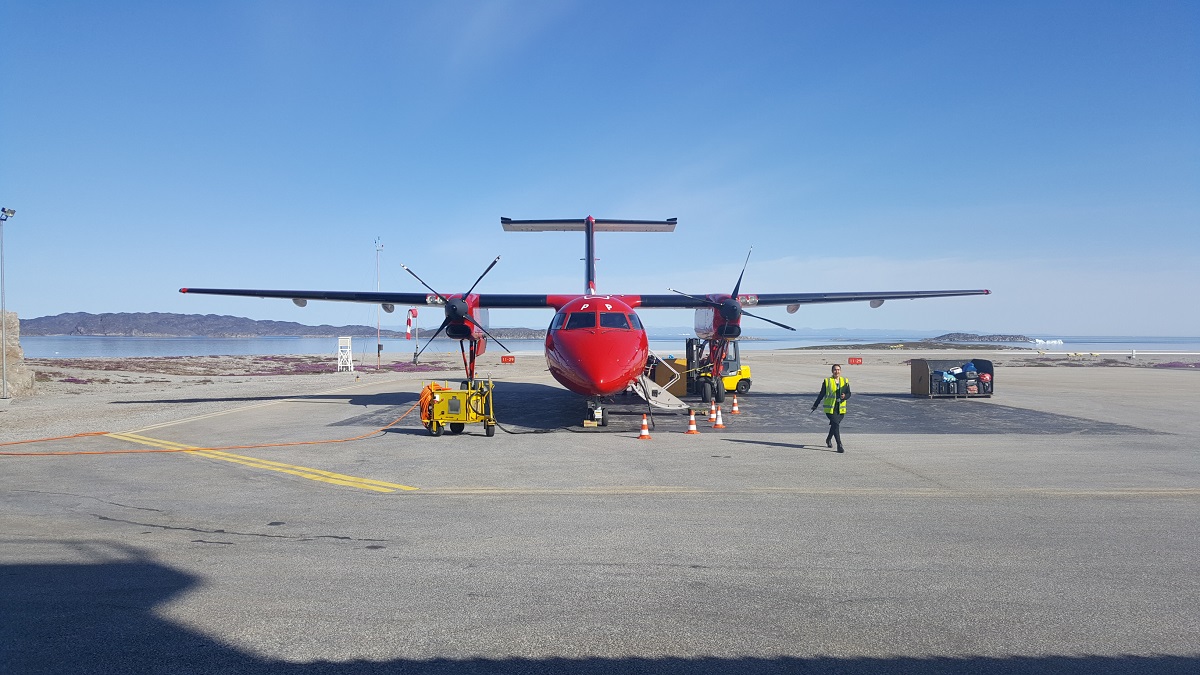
{"x": 159, "y": 324}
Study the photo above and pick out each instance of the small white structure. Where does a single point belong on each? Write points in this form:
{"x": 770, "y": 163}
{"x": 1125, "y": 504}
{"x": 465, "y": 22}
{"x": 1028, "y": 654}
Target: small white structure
{"x": 345, "y": 355}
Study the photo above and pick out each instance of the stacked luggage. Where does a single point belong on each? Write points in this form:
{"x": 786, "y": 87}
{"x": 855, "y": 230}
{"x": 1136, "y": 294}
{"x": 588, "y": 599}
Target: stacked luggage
{"x": 974, "y": 377}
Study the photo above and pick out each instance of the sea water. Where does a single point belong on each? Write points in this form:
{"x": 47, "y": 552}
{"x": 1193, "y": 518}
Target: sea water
{"x": 85, "y": 346}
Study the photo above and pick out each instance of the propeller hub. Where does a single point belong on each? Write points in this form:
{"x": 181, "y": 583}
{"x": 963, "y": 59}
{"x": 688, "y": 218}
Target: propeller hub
{"x": 730, "y": 309}
{"x": 456, "y": 309}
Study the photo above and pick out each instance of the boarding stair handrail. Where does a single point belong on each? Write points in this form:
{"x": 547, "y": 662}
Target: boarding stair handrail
{"x": 656, "y": 394}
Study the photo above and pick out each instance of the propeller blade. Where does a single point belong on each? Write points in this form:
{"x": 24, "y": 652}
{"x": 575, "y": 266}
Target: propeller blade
{"x": 763, "y": 318}
{"x": 435, "y": 334}
{"x": 692, "y": 297}
{"x": 425, "y": 284}
{"x": 481, "y": 276}
{"x": 485, "y": 332}
{"x": 738, "y": 286}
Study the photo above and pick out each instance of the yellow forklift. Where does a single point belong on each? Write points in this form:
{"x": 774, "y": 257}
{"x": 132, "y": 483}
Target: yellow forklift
{"x": 443, "y": 407}
{"x": 735, "y": 376}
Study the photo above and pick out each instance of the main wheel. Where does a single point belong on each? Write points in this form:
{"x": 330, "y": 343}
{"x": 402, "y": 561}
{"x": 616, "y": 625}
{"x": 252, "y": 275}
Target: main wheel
{"x": 706, "y": 391}
{"x": 604, "y": 417}
{"x": 743, "y": 386}
{"x": 457, "y": 427}
{"x": 719, "y": 392}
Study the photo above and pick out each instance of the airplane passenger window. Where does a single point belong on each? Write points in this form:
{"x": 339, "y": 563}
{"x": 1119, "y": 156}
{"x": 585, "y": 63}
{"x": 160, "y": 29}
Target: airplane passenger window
{"x": 634, "y": 321}
{"x": 613, "y": 320}
{"x": 581, "y": 320}
{"x": 557, "y": 321}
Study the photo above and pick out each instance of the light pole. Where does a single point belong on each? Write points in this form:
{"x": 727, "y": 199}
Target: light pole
{"x": 378, "y": 316}
{"x": 5, "y": 214}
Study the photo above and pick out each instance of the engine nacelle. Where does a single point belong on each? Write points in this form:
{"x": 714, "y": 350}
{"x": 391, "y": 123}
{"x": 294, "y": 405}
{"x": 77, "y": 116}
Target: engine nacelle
{"x": 463, "y": 329}
{"x": 710, "y": 324}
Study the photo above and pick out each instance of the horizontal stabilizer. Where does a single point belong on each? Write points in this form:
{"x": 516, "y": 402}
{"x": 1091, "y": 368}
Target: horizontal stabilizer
{"x": 579, "y": 225}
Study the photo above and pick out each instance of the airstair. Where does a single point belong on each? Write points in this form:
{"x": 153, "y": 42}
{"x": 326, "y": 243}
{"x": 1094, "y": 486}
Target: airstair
{"x": 656, "y": 394}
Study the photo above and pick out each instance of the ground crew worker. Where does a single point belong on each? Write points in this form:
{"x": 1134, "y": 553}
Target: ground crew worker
{"x": 834, "y": 392}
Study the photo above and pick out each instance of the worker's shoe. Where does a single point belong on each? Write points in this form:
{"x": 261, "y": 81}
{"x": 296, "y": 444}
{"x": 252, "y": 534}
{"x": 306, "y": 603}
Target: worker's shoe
{"x": 841, "y": 449}
{"x": 828, "y": 443}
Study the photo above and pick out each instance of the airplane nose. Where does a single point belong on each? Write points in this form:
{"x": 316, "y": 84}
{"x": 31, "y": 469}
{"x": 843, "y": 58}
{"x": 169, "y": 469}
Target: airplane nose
{"x": 603, "y": 374}
{"x": 596, "y": 364}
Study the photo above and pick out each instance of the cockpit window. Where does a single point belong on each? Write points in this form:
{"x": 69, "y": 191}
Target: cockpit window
{"x": 557, "y": 321}
{"x": 634, "y": 321}
{"x": 581, "y": 320}
{"x": 613, "y": 320}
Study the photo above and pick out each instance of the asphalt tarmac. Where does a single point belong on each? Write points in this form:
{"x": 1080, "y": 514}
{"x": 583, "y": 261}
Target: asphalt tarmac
{"x": 1049, "y": 529}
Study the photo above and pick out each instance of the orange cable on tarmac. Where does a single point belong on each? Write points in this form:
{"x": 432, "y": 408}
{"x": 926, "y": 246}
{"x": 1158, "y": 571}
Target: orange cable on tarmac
{"x": 59, "y": 438}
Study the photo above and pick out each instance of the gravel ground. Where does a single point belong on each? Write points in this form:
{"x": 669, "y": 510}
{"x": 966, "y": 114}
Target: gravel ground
{"x": 74, "y": 396}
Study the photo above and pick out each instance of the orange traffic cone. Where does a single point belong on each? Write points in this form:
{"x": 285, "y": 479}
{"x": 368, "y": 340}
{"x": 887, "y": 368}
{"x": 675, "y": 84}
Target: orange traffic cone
{"x": 719, "y": 424}
{"x": 645, "y": 435}
{"x": 712, "y": 411}
{"x": 691, "y": 423}
{"x": 735, "y": 410}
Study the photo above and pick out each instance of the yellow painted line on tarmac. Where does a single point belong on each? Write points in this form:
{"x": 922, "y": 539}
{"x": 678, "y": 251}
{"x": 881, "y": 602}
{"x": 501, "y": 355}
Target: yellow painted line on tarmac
{"x": 152, "y": 442}
{"x": 306, "y": 472}
{"x": 301, "y": 471}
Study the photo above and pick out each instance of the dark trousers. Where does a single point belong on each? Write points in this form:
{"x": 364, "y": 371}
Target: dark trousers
{"x": 835, "y": 428}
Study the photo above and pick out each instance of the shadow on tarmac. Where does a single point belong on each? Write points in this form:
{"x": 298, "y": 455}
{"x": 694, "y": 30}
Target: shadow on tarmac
{"x": 794, "y": 446}
{"x": 101, "y": 617}
{"x": 546, "y": 407}
{"x": 892, "y": 413}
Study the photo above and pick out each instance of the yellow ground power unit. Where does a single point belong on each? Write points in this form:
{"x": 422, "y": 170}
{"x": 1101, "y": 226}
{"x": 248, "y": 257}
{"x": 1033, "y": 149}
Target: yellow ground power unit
{"x": 443, "y": 407}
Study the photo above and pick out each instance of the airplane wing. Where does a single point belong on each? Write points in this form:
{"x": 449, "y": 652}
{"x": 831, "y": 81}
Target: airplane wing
{"x": 492, "y": 300}
{"x": 796, "y": 299}
{"x": 533, "y": 301}
{"x": 373, "y": 297}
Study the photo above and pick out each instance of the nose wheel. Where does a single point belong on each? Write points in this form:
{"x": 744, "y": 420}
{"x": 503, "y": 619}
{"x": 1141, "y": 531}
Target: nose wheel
{"x": 597, "y": 413}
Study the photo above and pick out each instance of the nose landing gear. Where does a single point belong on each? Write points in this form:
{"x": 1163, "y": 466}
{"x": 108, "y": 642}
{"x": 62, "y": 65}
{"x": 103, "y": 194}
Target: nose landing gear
{"x": 597, "y": 414}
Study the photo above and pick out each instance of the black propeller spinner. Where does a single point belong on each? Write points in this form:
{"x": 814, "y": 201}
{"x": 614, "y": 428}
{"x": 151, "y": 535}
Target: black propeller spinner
{"x": 458, "y": 314}
{"x": 729, "y": 308}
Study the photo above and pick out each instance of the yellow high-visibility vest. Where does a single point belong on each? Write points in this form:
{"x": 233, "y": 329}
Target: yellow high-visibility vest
{"x": 832, "y": 384}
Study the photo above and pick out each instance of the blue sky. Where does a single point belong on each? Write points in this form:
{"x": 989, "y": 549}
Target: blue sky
{"x": 1048, "y": 151}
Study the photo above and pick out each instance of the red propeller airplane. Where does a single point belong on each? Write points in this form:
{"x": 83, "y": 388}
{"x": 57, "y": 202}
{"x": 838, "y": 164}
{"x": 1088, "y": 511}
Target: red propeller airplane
{"x": 596, "y": 345}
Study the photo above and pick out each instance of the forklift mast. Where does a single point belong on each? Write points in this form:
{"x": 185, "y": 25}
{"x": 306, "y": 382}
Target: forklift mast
{"x": 698, "y": 354}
